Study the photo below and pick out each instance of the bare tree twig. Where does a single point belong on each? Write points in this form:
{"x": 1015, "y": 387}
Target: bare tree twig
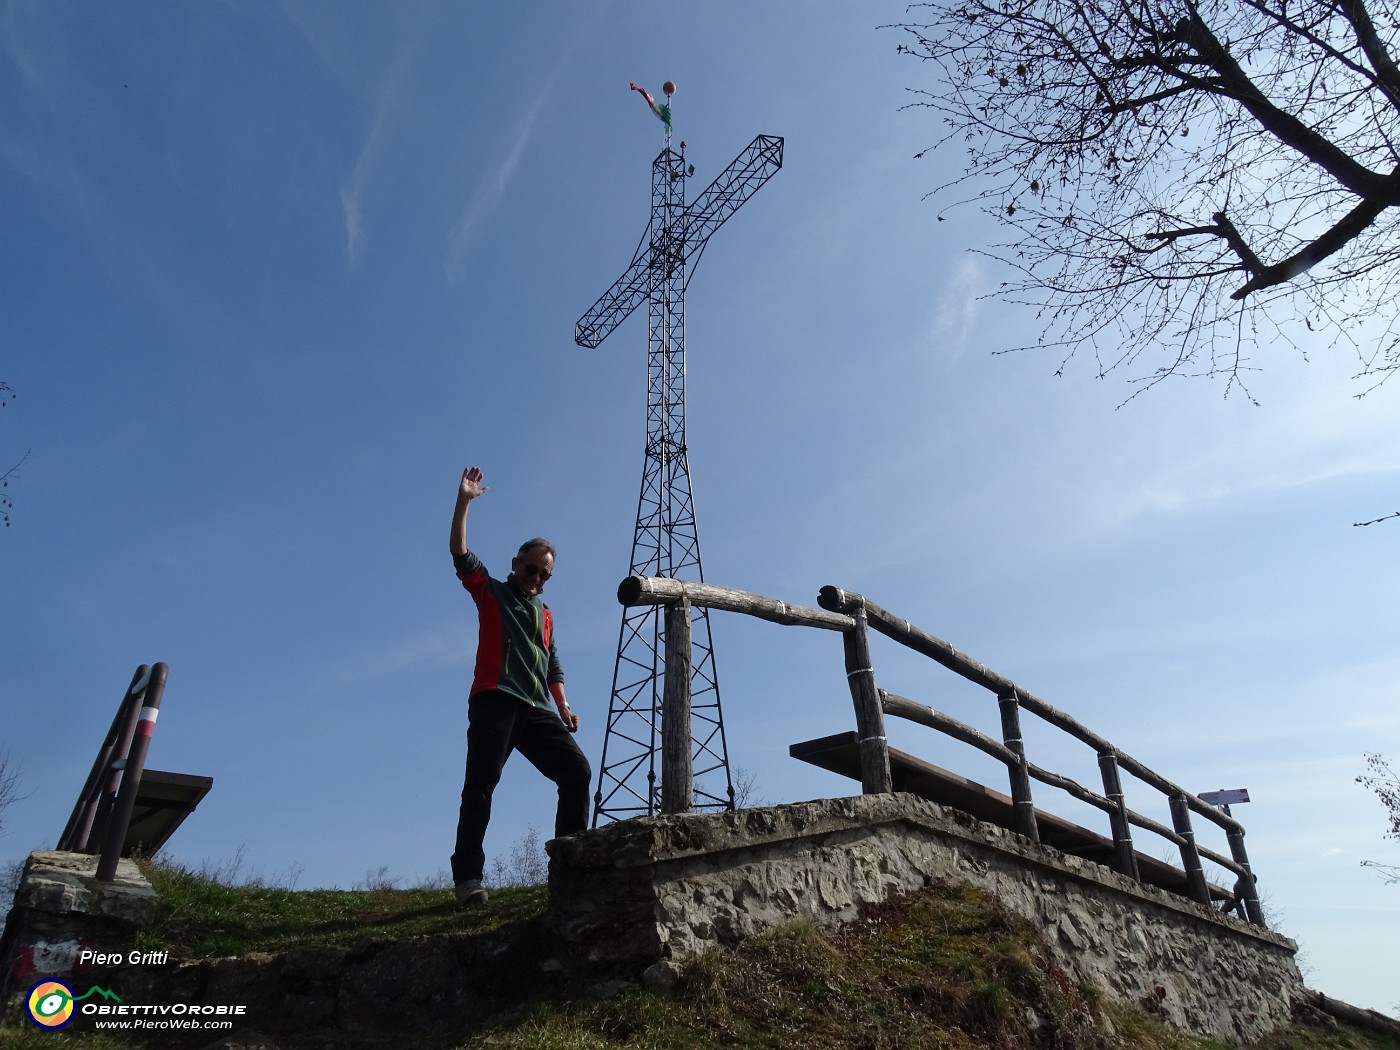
{"x": 9, "y": 785}
{"x": 7, "y": 394}
{"x": 1375, "y": 521}
{"x": 5, "y": 502}
{"x": 1385, "y": 782}
{"x": 1112, "y": 140}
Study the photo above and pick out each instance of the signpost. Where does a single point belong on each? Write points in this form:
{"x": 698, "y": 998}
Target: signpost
{"x": 1225, "y": 797}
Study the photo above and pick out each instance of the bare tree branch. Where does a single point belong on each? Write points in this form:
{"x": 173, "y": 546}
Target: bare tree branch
{"x": 1386, "y": 784}
{"x": 1375, "y": 521}
{"x": 9, "y": 785}
{"x": 5, "y": 502}
{"x": 7, "y": 395}
{"x": 1188, "y": 185}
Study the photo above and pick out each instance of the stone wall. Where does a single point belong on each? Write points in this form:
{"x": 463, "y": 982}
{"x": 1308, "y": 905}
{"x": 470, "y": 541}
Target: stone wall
{"x": 633, "y": 899}
{"x": 60, "y": 910}
{"x": 663, "y": 888}
{"x": 66, "y": 925}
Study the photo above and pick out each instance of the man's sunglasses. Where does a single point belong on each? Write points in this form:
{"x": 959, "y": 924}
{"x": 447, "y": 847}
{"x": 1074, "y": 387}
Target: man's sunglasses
{"x": 535, "y": 572}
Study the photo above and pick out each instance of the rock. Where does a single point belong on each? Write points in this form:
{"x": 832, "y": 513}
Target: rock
{"x": 662, "y": 976}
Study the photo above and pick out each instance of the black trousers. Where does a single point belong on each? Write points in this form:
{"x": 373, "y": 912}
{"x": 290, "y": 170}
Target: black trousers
{"x": 498, "y": 724}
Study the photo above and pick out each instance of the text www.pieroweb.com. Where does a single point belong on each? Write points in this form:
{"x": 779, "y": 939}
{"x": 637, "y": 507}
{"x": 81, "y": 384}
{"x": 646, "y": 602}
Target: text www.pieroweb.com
{"x": 162, "y": 1017}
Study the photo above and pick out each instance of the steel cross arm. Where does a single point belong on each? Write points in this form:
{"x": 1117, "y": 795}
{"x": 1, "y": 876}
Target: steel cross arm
{"x": 731, "y": 188}
{"x": 687, "y": 234}
{"x": 612, "y": 308}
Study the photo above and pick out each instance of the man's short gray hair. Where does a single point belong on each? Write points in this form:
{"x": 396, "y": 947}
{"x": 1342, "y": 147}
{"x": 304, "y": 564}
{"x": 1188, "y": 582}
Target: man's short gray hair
{"x": 529, "y": 545}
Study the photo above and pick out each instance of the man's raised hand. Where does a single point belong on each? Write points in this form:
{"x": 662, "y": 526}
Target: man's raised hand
{"x": 472, "y": 486}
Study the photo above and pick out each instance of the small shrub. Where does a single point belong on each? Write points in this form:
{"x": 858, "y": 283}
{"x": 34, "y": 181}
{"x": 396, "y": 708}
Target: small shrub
{"x": 527, "y": 864}
{"x": 378, "y": 879}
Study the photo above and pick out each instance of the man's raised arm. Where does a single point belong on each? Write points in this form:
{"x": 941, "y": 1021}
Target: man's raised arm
{"x": 470, "y": 488}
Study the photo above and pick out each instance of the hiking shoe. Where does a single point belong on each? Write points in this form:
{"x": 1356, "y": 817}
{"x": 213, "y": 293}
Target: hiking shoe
{"x": 471, "y": 892}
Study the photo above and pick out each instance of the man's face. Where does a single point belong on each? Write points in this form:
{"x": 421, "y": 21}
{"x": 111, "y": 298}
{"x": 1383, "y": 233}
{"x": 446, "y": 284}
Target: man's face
{"x": 532, "y": 569}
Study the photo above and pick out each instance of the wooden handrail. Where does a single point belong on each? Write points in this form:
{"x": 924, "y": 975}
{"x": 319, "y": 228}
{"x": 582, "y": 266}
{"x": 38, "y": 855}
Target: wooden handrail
{"x": 661, "y": 590}
{"x": 852, "y": 613}
{"x": 1182, "y": 802}
{"x": 903, "y": 707}
{"x": 835, "y": 599}
{"x": 913, "y": 711}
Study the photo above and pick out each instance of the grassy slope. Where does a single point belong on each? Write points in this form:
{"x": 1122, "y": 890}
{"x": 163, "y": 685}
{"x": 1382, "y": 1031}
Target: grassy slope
{"x": 202, "y": 918}
{"x": 946, "y": 968}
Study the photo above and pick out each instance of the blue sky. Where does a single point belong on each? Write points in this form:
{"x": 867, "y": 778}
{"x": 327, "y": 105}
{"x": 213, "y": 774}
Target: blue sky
{"x": 276, "y": 272}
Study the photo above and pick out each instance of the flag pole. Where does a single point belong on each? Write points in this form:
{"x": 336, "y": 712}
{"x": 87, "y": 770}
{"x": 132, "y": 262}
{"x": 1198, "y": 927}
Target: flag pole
{"x": 662, "y": 112}
{"x": 668, "y": 89}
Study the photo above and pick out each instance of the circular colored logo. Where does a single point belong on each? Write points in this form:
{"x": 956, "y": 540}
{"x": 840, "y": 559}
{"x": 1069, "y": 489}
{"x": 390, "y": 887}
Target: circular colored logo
{"x": 50, "y": 1004}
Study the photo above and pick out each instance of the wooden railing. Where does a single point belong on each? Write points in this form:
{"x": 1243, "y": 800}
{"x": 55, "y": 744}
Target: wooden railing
{"x": 854, "y": 616}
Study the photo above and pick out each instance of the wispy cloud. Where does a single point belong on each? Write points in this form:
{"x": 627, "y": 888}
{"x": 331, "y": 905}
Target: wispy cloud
{"x": 501, "y": 169}
{"x": 352, "y": 193}
{"x": 957, "y": 308}
{"x": 20, "y": 22}
{"x": 53, "y": 113}
{"x": 1301, "y": 439}
{"x": 490, "y": 189}
{"x": 415, "y": 32}
{"x": 354, "y": 222}
{"x": 443, "y": 647}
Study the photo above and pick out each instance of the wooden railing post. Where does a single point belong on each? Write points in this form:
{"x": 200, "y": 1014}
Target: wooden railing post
{"x": 1245, "y": 889}
{"x": 1024, "y": 807}
{"x": 677, "y": 768}
{"x": 1190, "y": 857}
{"x": 1124, "y": 860}
{"x": 875, "y": 775}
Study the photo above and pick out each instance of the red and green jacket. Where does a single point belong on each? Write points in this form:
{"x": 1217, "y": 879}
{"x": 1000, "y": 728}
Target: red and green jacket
{"x": 515, "y": 652}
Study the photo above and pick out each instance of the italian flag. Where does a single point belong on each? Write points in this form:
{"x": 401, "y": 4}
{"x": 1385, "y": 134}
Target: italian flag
{"x": 663, "y": 113}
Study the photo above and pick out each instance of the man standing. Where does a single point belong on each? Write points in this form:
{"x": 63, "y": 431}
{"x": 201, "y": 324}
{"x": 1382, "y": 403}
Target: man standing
{"x": 517, "y": 688}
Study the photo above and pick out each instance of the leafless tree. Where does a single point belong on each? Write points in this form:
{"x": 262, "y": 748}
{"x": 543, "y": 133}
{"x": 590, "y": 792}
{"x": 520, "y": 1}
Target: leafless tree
{"x": 746, "y": 789}
{"x": 9, "y": 786}
{"x": 527, "y": 865}
{"x": 1186, "y": 184}
{"x": 7, "y": 395}
{"x": 1385, "y": 782}
{"x": 10, "y": 871}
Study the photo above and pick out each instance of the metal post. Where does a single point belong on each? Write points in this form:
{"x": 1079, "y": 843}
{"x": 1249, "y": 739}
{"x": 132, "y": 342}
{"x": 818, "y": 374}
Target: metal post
{"x": 1124, "y": 860}
{"x": 1024, "y": 807}
{"x": 677, "y": 767}
{"x": 95, "y": 800}
{"x": 1190, "y": 857}
{"x": 120, "y": 816}
{"x": 875, "y": 775}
